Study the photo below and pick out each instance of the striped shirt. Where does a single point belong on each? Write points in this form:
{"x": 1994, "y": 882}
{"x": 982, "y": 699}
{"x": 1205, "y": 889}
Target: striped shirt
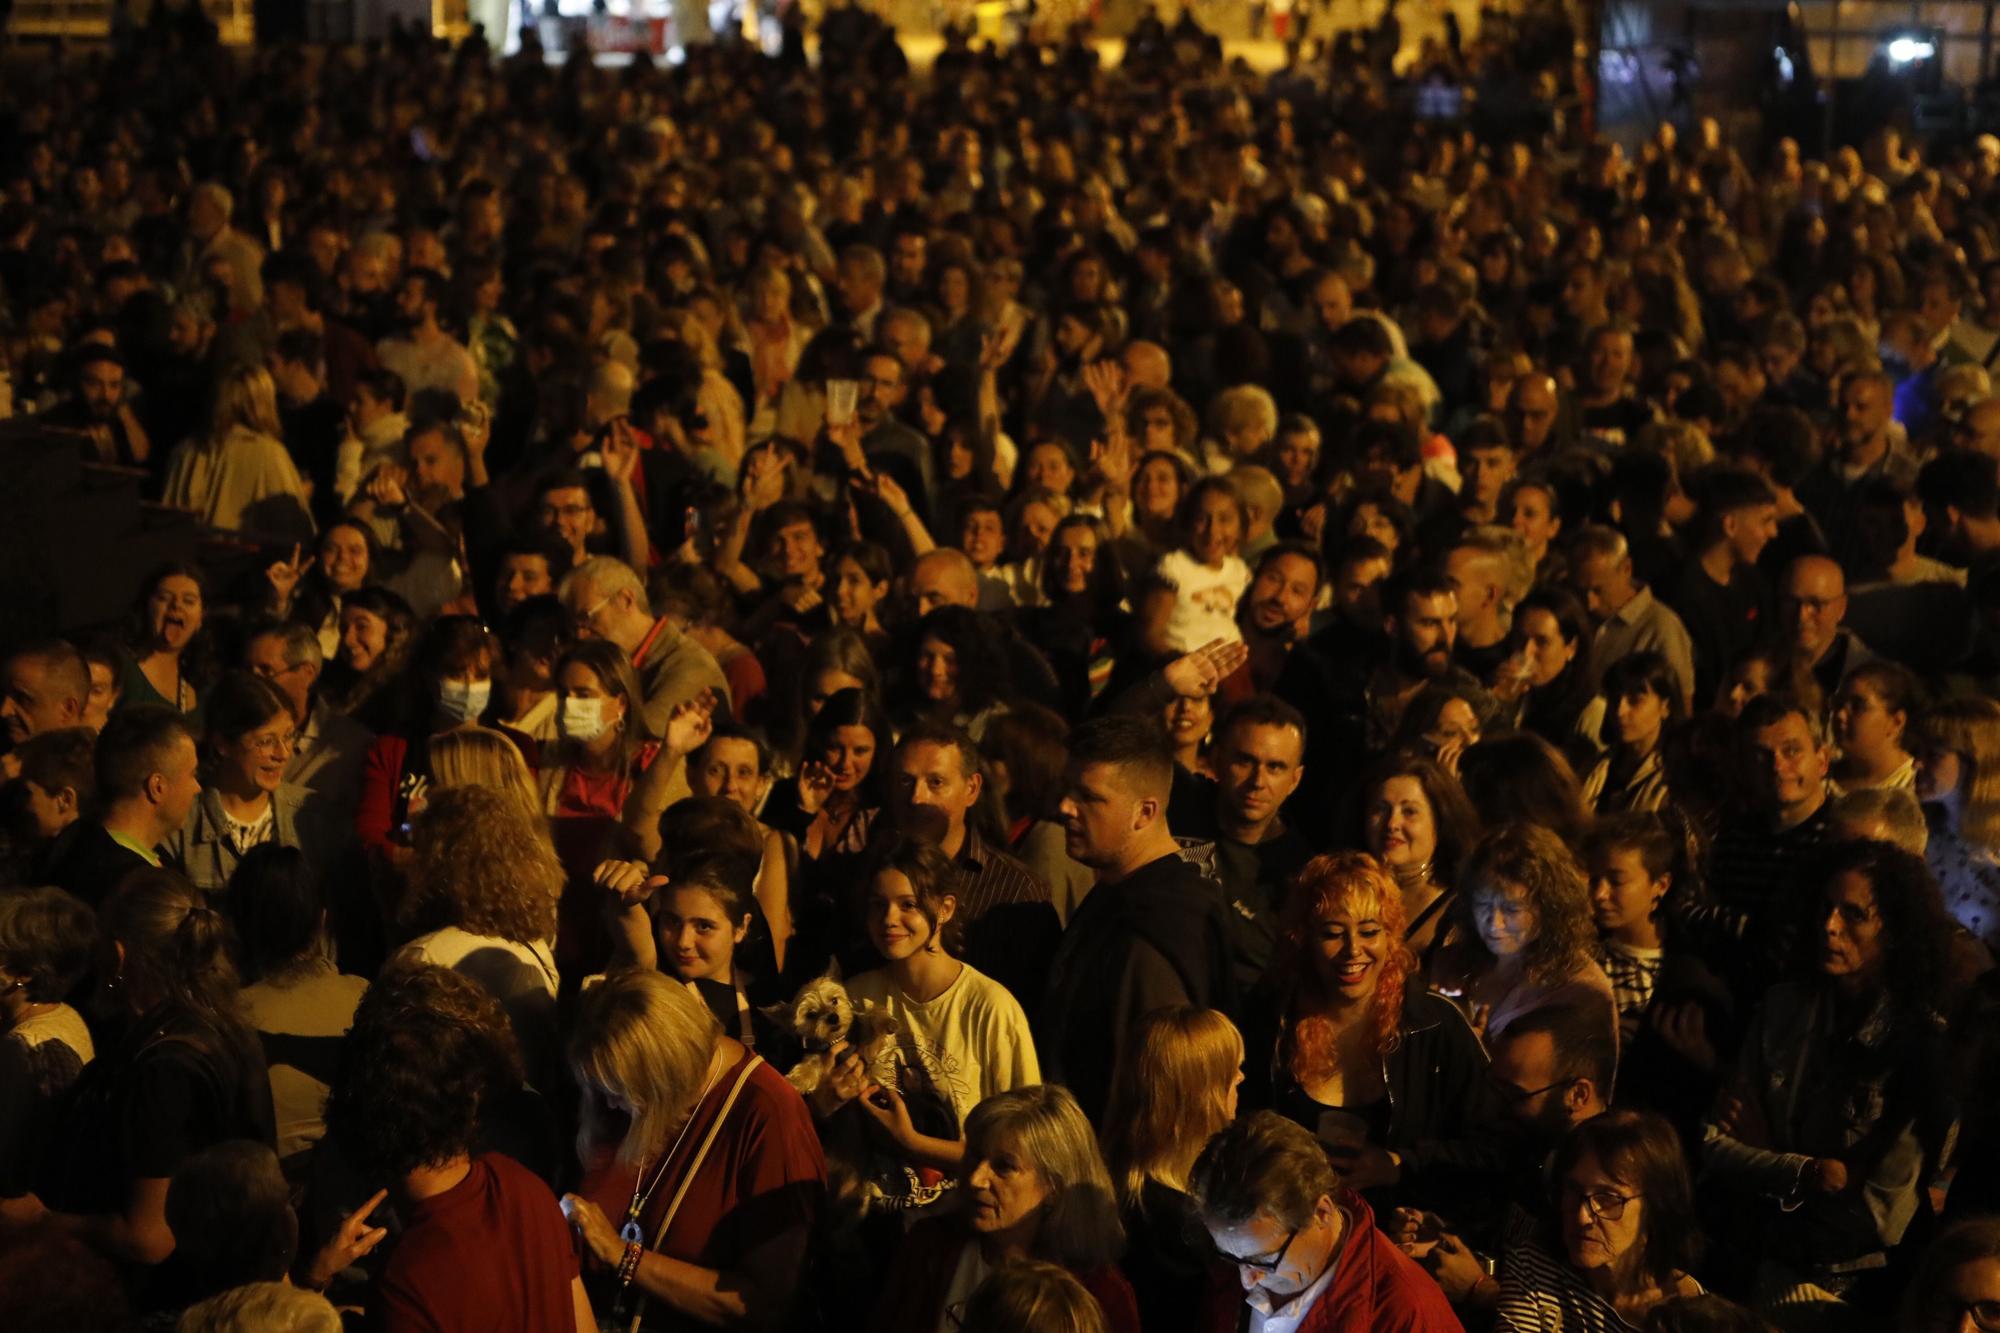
{"x": 1539, "y": 1293}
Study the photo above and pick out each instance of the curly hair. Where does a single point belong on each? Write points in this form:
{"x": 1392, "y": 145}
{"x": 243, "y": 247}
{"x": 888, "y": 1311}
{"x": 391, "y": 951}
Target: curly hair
{"x": 485, "y": 864}
{"x": 427, "y": 1049}
{"x": 1359, "y": 883}
{"x": 1916, "y": 931}
{"x": 1534, "y": 861}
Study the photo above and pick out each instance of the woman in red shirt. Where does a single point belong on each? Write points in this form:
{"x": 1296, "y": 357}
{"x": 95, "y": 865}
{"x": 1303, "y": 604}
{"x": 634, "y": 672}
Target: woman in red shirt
{"x": 702, "y": 1173}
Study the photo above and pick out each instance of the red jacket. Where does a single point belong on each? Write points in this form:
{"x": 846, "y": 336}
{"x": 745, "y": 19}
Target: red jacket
{"x": 1376, "y": 1288}
{"x": 913, "y": 1293}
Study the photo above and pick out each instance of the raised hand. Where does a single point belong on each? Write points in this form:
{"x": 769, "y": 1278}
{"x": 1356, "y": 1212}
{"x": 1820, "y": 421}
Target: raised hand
{"x": 284, "y": 575}
{"x": 1113, "y": 457}
{"x": 347, "y": 1245}
{"x": 1199, "y": 673}
{"x": 892, "y": 494}
{"x": 815, "y": 785}
{"x": 1106, "y": 382}
{"x": 630, "y": 882}
{"x": 620, "y": 451}
{"x": 690, "y": 724}
{"x": 387, "y": 486}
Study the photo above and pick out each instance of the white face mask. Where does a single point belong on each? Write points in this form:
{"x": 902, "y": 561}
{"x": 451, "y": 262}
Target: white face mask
{"x": 583, "y": 719}
{"x": 463, "y": 701}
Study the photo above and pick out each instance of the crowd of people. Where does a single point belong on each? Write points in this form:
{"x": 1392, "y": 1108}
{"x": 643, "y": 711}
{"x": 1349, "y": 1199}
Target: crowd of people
{"x": 1031, "y": 697}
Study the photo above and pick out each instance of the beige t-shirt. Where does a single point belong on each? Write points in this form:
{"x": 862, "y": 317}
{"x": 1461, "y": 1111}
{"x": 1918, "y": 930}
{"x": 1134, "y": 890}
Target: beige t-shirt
{"x": 968, "y": 1043}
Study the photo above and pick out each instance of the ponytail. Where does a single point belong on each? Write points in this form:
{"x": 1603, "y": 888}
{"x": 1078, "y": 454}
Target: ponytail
{"x": 179, "y": 950}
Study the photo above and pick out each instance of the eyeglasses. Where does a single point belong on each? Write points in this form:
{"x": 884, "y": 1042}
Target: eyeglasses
{"x": 1517, "y": 1095}
{"x": 274, "y": 745}
{"x": 1950, "y": 1314}
{"x": 583, "y": 619}
{"x": 1270, "y": 1265}
{"x": 565, "y": 511}
{"x": 1604, "y": 1205}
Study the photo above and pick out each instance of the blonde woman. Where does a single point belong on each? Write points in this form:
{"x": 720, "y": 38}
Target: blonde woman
{"x": 1032, "y": 1186}
{"x": 484, "y": 884}
{"x": 718, "y": 400}
{"x": 1957, "y": 752}
{"x": 773, "y": 339}
{"x": 238, "y": 476}
{"x": 1175, "y": 1089}
{"x": 482, "y": 757}
{"x": 717, "y": 1167}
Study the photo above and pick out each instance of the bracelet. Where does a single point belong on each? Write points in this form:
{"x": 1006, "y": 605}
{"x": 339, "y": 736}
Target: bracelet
{"x": 628, "y": 1267}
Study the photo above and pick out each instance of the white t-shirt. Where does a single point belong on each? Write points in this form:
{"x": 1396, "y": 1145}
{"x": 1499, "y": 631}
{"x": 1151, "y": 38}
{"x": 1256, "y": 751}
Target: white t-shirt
{"x": 1205, "y": 599}
{"x": 522, "y": 977}
{"x": 968, "y": 1043}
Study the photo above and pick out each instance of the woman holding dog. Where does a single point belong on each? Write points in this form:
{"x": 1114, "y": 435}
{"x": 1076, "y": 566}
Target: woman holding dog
{"x": 960, "y": 1035}
{"x": 702, "y": 1174}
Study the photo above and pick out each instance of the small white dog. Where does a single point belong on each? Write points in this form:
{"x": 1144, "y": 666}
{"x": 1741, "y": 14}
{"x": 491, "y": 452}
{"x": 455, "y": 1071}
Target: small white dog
{"x": 826, "y": 1021}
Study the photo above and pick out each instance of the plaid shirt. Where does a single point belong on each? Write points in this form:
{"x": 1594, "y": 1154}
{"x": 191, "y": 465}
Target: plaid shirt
{"x": 1011, "y": 926}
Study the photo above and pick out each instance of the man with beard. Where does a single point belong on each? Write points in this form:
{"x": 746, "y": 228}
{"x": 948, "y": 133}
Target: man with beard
{"x": 1553, "y": 1068}
{"x": 98, "y": 407}
{"x": 886, "y": 442}
{"x": 1011, "y": 927}
{"x": 1868, "y": 445}
{"x": 1420, "y": 616}
{"x": 1277, "y": 608}
{"x": 422, "y": 353}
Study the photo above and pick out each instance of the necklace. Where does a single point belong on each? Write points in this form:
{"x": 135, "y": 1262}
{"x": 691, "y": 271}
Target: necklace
{"x": 632, "y": 1233}
{"x": 1409, "y": 876}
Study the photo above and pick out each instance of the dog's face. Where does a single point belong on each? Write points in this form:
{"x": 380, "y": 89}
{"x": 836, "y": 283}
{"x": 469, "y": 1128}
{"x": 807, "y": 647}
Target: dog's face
{"x": 821, "y": 1013}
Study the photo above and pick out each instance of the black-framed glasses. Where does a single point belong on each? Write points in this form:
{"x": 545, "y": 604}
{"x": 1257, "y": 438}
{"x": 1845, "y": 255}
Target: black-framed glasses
{"x": 1266, "y": 1265}
{"x": 1604, "y": 1205}
{"x": 1515, "y": 1095}
{"x": 1950, "y": 1314}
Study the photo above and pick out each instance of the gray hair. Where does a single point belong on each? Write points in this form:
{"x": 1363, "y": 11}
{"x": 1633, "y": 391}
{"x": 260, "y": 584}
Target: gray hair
{"x": 262, "y": 1307}
{"x": 608, "y": 576}
{"x": 1046, "y": 1127}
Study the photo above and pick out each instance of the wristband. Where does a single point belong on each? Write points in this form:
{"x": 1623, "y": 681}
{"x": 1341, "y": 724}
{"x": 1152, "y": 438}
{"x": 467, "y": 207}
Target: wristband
{"x": 628, "y": 1267}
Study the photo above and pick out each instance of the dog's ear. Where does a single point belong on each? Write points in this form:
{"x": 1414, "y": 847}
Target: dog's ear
{"x": 780, "y": 1013}
{"x": 832, "y": 972}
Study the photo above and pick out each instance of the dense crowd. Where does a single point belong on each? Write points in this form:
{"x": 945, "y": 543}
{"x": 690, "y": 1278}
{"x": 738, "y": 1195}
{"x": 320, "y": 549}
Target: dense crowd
{"x": 1025, "y": 697}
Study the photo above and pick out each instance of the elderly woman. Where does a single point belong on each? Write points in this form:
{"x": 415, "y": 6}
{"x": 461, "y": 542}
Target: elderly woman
{"x": 1621, "y": 1236}
{"x": 1838, "y": 1100}
{"x": 1525, "y": 933}
{"x": 239, "y": 477}
{"x": 1032, "y": 1185}
{"x": 702, "y": 1175}
{"x": 1347, "y": 1042}
{"x": 245, "y": 801}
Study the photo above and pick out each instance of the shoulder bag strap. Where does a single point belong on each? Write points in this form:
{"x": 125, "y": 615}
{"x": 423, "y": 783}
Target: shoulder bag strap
{"x": 694, "y": 1169}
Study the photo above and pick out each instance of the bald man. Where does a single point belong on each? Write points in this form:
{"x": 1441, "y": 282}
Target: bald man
{"x": 1533, "y": 406}
{"x": 946, "y": 577}
{"x": 43, "y": 688}
{"x": 1810, "y": 609}
{"x": 1147, "y": 366}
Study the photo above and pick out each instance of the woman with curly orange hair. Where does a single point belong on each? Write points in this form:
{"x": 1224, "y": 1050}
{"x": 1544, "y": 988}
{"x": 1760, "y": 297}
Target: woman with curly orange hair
{"x": 1348, "y": 1042}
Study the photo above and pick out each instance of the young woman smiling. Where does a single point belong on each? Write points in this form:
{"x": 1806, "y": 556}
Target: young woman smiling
{"x": 1387, "y": 1075}
{"x": 961, "y": 1037}
{"x": 165, "y": 657}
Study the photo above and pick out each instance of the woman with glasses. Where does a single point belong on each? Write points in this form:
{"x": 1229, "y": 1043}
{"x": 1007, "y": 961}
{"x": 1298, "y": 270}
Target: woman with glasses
{"x": 1838, "y": 1098}
{"x": 1620, "y": 1238}
{"x": 245, "y": 801}
{"x": 1957, "y": 1285}
{"x": 1957, "y": 754}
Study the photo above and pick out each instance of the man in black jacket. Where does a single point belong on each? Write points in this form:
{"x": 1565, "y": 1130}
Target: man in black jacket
{"x": 1151, "y": 934}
